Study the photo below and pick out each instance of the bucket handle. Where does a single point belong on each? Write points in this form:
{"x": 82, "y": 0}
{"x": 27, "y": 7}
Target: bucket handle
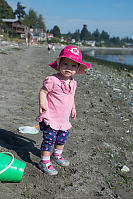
{"x": 8, "y": 166}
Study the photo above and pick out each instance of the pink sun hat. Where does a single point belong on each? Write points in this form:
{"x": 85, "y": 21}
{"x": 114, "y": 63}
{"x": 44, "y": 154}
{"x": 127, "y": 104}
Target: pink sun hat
{"x": 74, "y": 54}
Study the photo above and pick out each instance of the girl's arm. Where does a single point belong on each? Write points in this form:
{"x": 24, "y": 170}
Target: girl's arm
{"x": 73, "y": 112}
{"x": 42, "y": 100}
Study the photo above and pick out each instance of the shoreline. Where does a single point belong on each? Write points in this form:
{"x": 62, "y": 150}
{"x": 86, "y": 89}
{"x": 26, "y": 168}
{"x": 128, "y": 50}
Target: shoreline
{"x": 116, "y": 65}
{"x": 106, "y": 48}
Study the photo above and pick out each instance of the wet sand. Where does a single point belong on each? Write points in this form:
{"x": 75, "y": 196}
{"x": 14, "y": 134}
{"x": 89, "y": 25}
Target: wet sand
{"x": 100, "y": 142}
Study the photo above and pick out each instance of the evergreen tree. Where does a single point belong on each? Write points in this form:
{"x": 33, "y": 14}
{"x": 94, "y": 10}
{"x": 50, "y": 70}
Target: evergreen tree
{"x": 51, "y": 31}
{"x": 96, "y": 35}
{"x": 40, "y": 22}
{"x": 115, "y": 41}
{"x": 26, "y": 20}
{"x": 69, "y": 35}
{"x": 104, "y": 36}
{"x": 32, "y": 18}
{"x": 20, "y": 11}
{"x": 56, "y": 32}
{"x": 127, "y": 40}
{"x": 6, "y": 11}
{"x": 85, "y": 34}
{"x": 76, "y": 35}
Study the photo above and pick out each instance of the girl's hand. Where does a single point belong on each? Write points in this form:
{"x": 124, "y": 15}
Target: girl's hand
{"x": 42, "y": 108}
{"x": 73, "y": 114}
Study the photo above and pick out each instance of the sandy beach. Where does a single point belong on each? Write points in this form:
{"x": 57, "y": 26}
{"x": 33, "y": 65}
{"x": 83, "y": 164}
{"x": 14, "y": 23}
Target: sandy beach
{"x": 100, "y": 142}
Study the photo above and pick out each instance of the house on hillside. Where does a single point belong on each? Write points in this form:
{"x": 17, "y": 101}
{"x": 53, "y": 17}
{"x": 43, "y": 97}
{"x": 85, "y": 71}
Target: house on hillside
{"x": 91, "y": 43}
{"x": 15, "y": 25}
{"x": 38, "y": 34}
{"x": 130, "y": 45}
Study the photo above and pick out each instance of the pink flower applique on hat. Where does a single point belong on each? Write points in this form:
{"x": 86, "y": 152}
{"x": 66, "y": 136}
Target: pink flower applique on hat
{"x": 74, "y": 51}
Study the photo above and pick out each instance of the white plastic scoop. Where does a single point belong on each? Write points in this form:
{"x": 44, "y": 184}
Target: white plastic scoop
{"x": 28, "y": 129}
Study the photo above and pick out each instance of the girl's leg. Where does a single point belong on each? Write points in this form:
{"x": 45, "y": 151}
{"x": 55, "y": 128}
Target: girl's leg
{"x": 45, "y": 153}
{"x": 49, "y": 137}
{"x": 61, "y": 138}
{"x": 48, "y": 141}
{"x": 58, "y": 148}
{"x": 45, "y": 157}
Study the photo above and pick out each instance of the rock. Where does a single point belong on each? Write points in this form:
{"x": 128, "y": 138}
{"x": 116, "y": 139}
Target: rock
{"x": 130, "y": 75}
{"x": 127, "y": 131}
{"x": 125, "y": 169}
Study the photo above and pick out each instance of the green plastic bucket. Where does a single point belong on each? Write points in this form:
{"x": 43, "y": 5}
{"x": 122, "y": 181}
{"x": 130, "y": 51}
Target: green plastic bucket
{"x": 11, "y": 169}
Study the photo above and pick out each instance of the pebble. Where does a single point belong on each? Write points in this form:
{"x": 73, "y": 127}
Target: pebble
{"x": 125, "y": 169}
{"x": 127, "y": 131}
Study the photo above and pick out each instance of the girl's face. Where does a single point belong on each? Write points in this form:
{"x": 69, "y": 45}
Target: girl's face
{"x": 68, "y": 67}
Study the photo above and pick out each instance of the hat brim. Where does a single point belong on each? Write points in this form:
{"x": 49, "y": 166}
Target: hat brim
{"x": 83, "y": 68}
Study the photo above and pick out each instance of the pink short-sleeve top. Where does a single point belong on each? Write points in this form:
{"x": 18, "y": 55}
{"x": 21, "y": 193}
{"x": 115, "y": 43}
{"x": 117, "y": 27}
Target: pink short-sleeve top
{"x": 59, "y": 102}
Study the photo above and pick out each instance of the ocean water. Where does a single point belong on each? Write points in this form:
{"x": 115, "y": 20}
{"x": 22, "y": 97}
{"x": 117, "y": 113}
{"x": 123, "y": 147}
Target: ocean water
{"x": 124, "y": 56}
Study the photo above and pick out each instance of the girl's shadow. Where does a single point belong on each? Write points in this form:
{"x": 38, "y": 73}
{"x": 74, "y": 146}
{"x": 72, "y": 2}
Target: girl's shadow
{"x": 23, "y": 146}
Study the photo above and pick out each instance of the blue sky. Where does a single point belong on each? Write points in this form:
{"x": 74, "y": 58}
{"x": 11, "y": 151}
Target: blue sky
{"x": 113, "y": 16}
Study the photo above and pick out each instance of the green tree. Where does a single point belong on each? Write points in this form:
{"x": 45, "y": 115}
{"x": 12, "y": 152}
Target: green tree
{"x": 6, "y": 11}
{"x": 76, "y": 35}
{"x": 67, "y": 36}
{"x": 85, "y": 34}
{"x": 19, "y": 12}
{"x": 104, "y": 36}
{"x": 26, "y": 20}
{"x": 96, "y": 35}
{"x": 56, "y": 31}
{"x": 115, "y": 41}
{"x": 127, "y": 40}
{"x": 40, "y": 22}
{"x": 32, "y": 18}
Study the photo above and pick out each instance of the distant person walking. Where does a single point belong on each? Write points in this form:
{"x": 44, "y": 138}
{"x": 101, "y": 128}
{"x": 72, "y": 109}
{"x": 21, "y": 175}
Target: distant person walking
{"x": 26, "y": 38}
{"x": 53, "y": 49}
{"x": 49, "y": 48}
{"x": 29, "y": 39}
{"x": 18, "y": 42}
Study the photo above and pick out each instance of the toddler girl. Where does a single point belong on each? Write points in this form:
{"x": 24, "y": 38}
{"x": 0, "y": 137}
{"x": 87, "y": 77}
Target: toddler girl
{"x": 56, "y": 100}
